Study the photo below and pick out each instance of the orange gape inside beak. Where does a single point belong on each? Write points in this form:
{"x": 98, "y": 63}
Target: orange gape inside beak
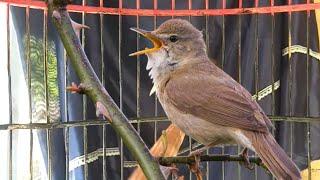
{"x": 156, "y": 42}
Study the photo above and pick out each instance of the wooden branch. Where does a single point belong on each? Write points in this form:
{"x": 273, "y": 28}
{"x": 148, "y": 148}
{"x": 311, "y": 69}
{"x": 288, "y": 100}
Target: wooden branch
{"x": 167, "y": 161}
{"x": 168, "y": 144}
{"x": 93, "y": 88}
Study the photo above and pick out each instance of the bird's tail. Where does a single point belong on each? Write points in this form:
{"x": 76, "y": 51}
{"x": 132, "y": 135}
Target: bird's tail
{"x": 274, "y": 157}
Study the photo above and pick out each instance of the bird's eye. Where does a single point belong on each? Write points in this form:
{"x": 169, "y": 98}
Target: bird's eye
{"x": 173, "y": 38}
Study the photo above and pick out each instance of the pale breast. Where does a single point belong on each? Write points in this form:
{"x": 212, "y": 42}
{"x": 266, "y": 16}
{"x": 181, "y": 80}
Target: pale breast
{"x": 204, "y": 131}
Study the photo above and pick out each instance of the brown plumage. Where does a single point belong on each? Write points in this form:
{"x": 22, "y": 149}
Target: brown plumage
{"x": 205, "y": 102}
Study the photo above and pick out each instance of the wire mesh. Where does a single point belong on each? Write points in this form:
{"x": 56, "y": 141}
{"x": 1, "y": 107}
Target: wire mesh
{"x": 138, "y": 12}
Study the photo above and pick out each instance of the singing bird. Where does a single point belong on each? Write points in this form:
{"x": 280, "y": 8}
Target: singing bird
{"x": 204, "y": 101}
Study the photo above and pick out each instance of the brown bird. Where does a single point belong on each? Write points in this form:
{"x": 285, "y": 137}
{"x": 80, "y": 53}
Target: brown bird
{"x": 204, "y": 101}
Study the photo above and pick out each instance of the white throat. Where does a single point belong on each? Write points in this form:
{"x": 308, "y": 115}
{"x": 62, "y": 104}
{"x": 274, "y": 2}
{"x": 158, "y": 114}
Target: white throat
{"x": 160, "y": 65}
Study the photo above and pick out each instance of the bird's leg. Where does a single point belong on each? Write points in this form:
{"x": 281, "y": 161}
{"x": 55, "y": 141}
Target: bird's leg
{"x": 172, "y": 168}
{"x": 74, "y": 88}
{"x": 246, "y": 162}
{"x": 195, "y": 167}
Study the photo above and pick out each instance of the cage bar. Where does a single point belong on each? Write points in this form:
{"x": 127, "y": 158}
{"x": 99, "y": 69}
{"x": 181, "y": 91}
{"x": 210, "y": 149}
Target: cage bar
{"x": 84, "y": 101}
{"x": 138, "y": 102}
{"x": 120, "y": 86}
{"x": 239, "y": 70}
{"x": 66, "y": 130}
{"x": 99, "y": 122}
{"x": 45, "y": 50}
{"x": 150, "y": 12}
{"x": 28, "y": 62}
{"x": 273, "y": 103}
{"x": 223, "y": 46}
{"x": 104, "y": 128}
{"x": 155, "y": 97}
{"x": 9, "y": 90}
{"x": 308, "y": 95}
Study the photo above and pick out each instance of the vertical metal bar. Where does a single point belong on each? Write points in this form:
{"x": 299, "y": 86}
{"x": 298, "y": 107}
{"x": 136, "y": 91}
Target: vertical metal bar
{"x": 256, "y": 34}
{"x": 308, "y": 95}
{"x": 207, "y": 26}
{"x": 138, "y": 72}
{"x": 120, "y": 87}
{"x": 155, "y": 7}
{"x": 66, "y": 130}
{"x": 9, "y": 90}
{"x": 173, "y": 4}
{"x": 256, "y": 63}
{"x": 190, "y": 148}
{"x": 189, "y": 138}
{"x": 104, "y": 127}
{"x": 84, "y": 107}
{"x": 272, "y": 62}
{"x": 239, "y": 44}
{"x": 208, "y": 47}
{"x": 45, "y": 49}
{"x": 29, "y": 85}
{"x": 222, "y": 65}
{"x": 155, "y": 96}
{"x": 273, "y": 71}
{"x": 223, "y": 36}
{"x": 290, "y": 80}
{"x": 189, "y": 8}
{"x": 239, "y": 72}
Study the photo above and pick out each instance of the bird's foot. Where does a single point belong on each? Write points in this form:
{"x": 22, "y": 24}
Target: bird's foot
{"x": 246, "y": 162}
{"x": 195, "y": 167}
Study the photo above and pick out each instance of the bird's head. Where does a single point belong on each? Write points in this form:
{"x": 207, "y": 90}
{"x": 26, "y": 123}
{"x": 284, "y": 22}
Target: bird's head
{"x": 176, "y": 40}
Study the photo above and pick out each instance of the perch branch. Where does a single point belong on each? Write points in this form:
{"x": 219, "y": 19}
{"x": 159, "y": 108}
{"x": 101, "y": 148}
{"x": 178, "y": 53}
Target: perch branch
{"x": 94, "y": 90}
{"x": 167, "y": 161}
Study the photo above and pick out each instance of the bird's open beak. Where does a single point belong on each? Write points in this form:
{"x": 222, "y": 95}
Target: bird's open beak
{"x": 156, "y": 42}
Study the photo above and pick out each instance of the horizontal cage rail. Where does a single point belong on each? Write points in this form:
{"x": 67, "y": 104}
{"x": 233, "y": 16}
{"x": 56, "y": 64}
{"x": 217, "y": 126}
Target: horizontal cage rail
{"x": 98, "y": 122}
{"x": 172, "y": 12}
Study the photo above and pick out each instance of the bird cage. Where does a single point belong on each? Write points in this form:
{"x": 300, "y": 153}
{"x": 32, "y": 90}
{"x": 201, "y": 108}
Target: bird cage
{"x": 270, "y": 47}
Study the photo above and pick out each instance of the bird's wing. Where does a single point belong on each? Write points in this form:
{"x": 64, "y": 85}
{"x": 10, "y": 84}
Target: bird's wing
{"x": 214, "y": 96}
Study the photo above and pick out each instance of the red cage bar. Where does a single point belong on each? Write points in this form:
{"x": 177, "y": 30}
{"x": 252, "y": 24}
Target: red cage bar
{"x": 173, "y": 12}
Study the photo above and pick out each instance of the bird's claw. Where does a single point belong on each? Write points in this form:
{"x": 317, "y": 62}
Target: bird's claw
{"x": 246, "y": 163}
{"x": 74, "y": 88}
{"x": 195, "y": 167}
